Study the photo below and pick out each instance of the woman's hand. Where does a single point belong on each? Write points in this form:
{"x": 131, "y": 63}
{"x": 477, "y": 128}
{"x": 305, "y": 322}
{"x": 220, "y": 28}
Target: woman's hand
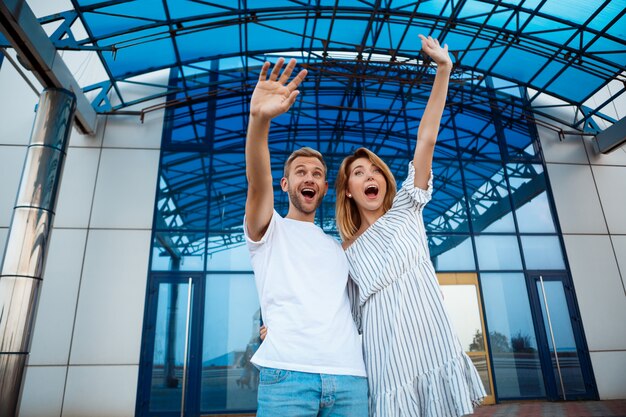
{"x": 262, "y": 332}
{"x": 431, "y": 47}
{"x": 273, "y": 96}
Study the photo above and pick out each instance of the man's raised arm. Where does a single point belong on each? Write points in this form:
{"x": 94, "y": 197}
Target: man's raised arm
{"x": 271, "y": 97}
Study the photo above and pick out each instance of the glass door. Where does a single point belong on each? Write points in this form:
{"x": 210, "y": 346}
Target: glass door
{"x": 566, "y": 366}
{"x": 168, "y": 354}
{"x": 464, "y": 306}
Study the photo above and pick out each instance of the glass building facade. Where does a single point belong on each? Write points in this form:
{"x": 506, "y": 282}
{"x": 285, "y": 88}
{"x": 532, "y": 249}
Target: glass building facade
{"x": 491, "y": 217}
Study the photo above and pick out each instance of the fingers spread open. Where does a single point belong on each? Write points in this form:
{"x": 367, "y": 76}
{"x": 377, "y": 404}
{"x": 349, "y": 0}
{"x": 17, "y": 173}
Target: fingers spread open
{"x": 263, "y": 74}
{"x": 276, "y": 69}
{"x": 290, "y": 100}
{"x": 287, "y": 72}
{"x": 297, "y": 80}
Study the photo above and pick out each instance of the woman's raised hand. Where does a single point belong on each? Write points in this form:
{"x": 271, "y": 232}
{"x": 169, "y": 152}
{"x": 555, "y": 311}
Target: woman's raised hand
{"x": 273, "y": 96}
{"x": 438, "y": 54}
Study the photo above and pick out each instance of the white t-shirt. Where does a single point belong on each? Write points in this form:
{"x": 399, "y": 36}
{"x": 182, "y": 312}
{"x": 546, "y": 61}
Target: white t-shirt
{"x": 301, "y": 275}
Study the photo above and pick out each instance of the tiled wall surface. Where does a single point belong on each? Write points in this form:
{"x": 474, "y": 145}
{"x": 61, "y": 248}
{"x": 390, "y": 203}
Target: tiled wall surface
{"x": 85, "y": 349}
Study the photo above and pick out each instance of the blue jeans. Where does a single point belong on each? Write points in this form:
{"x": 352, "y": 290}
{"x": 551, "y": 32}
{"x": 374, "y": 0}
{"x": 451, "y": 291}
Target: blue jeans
{"x": 300, "y": 394}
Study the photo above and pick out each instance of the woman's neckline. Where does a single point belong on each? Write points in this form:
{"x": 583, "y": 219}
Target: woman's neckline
{"x": 363, "y": 233}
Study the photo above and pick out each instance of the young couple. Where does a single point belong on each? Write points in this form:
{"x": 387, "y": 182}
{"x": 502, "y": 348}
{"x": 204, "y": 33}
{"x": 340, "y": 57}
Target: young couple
{"x": 312, "y": 362}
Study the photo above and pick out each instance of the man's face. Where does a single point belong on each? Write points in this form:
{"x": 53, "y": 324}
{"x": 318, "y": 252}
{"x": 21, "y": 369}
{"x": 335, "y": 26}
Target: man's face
{"x": 305, "y": 183}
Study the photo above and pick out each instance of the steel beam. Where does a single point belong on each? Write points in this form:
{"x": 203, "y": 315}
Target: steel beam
{"x": 612, "y": 138}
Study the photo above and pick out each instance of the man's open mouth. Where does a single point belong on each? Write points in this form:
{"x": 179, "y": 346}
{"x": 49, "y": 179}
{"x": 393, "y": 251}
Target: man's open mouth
{"x": 308, "y": 193}
{"x": 371, "y": 191}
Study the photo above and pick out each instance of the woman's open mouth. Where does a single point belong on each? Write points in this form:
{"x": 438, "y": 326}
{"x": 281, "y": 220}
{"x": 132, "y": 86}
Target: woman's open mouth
{"x": 371, "y": 191}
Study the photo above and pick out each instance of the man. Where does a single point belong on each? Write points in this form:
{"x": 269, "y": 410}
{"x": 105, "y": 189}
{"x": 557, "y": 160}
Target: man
{"x": 311, "y": 361}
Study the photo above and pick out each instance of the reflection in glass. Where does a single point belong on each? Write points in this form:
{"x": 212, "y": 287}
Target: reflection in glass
{"x": 563, "y": 337}
{"x": 497, "y": 252}
{"x": 490, "y": 207}
{"x": 528, "y": 187}
{"x": 182, "y": 195}
{"x": 461, "y": 303}
{"x": 535, "y": 216}
{"x": 178, "y": 251}
{"x": 447, "y": 211}
{"x": 512, "y": 338}
{"x": 228, "y": 253}
{"x": 462, "y": 306}
{"x": 542, "y": 252}
{"x": 169, "y": 347}
{"x": 452, "y": 252}
{"x": 231, "y": 323}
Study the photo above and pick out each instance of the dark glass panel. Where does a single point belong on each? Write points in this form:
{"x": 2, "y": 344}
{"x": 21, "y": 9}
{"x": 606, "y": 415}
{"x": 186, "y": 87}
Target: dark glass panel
{"x": 169, "y": 347}
{"x": 512, "y": 338}
{"x": 231, "y": 336}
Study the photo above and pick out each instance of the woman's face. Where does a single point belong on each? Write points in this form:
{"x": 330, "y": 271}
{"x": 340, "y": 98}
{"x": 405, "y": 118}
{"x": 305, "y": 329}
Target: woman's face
{"x": 366, "y": 185}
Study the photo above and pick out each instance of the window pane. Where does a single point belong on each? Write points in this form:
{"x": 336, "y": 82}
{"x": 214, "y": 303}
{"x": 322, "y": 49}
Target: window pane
{"x": 228, "y": 252}
{"x": 452, "y": 253}
{"x": 230, "y": 337}
{"x": 447, "y": 211}
{"x": 490, "y": 206}
{"x": 512, "y": 338}
{"x": 178, "y": 251}
{"x": 528, "y": 188}
{"x": 182, "y": 194}
{"x": 498, "y": 252}
{"x": 535, "y": 216}
{"x": 542, "y": 252}
{"x": 169, "y": 347}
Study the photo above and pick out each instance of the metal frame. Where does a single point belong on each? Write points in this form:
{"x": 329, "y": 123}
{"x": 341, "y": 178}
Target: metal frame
{"x": 455, "y": 18}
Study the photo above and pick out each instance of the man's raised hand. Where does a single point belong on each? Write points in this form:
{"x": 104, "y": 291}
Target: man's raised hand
{"x": 273, "y": 96}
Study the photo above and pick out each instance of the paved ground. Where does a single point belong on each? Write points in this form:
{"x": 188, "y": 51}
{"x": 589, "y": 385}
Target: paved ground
{"x": 613, "y": 408}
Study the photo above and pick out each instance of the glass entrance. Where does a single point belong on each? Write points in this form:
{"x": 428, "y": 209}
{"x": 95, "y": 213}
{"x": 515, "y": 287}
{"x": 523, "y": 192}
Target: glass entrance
{"x": 463, "y": 303}
{"x": 200, "y": 334}
{"x": 565, "y": 363}
{"x": 168, "y": 352}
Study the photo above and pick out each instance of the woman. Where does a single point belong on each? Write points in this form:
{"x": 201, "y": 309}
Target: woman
{"x": 415, "y": 364}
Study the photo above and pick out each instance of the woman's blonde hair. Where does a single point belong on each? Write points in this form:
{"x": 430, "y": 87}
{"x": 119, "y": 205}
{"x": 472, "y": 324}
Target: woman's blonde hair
{"x": 346, "y": 211}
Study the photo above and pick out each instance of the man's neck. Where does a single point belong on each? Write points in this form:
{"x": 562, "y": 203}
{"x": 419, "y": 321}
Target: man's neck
{"x": 295, "y": 214}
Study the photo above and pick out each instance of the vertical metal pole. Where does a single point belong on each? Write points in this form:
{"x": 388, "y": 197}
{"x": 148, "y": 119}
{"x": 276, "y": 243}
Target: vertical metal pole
{"x": 182, "y": 399}
{"x": 27, "y": 243}
{"x": 556, "y": 354}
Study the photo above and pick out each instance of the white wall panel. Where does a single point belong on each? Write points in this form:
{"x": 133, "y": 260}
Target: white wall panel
{"x": 619, "y": 245}
{"x": 100, "y": 391}
{"x": 77, "y": 188}
{"x": 610, "y": 375}
{"x": 111, "y": 301}
{"x": 121, "y": 131}
{"x": 11, "y": 165}
{"x": 4, "y": 233}
{"x": 611, "y": 183}
{"x": 125, "y": 189}
{"x": 42, "y": 395}
{"x": 570, "y": 150}
{"x": 576, "y": 199}
{"x": 57, "y": 303}
{"x": 599, "y": 290}
{"x": 17, "y": 106}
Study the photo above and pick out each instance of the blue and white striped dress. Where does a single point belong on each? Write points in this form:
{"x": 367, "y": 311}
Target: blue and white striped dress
{"x": 415, "y": 363}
